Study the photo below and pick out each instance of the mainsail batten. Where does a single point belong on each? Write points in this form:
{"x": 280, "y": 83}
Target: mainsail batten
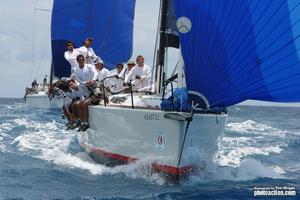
{"x": 241, "y": 49}
{"x": 109, "y": 22}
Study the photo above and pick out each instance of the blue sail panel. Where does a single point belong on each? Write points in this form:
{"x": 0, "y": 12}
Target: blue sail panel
{"x": 241, "y": 49}
{"x": 109, "y": 23}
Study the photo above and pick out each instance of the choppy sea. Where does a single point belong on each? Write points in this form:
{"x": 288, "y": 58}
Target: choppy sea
{"x": 40, "y": 160}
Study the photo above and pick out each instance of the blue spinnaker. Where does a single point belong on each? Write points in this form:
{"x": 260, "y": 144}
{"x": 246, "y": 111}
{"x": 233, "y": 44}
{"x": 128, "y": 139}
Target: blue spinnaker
{"x": 241, "y": 49}
{"x": 108, "y": 22}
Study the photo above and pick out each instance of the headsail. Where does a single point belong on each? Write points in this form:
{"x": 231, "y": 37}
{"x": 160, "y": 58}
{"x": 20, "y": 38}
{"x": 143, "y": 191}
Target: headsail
{"x": 241, "y": 49}
{"x": 110, "y": 23}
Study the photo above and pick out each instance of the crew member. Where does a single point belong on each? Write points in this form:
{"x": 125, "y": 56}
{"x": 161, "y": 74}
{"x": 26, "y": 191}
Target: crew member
{"x": 71, "y": 55}
{"x": 86, "y": 75}
{"x": 87, "y": 51}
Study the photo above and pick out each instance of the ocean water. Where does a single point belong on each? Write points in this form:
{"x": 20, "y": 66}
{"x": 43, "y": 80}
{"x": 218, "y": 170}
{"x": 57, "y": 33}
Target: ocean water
{"x": 40, "y": 160}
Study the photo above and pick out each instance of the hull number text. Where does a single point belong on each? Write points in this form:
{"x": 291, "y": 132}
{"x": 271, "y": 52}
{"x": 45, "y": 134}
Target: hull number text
{"x": 150, "y": 116}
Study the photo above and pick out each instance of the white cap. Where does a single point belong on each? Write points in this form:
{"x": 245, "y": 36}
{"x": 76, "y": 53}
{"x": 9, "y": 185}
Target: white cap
{"x": 66, "y": 79}
{"x": 98, "y": 60}
{"x": 55, "y": 81}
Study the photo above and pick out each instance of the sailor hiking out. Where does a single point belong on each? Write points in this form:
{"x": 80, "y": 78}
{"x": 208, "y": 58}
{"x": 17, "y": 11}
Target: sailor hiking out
{"x": 86, "y": 75}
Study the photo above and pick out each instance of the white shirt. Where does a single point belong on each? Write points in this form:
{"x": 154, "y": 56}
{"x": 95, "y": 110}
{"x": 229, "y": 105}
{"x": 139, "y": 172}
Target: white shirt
{"x": 88, "y": 53}
{"x": 74, "y": 94}
{"x": 87, "y": 73}
{"x": 71, "y": 57}
{"x": 116, "y": 84}
{"x": 143, "y": 72}
{"x": 102, "y": 74}
{"x": 67, "y": 100}
{"x": 80, "y": 93}
{"x": 123, "y": 74}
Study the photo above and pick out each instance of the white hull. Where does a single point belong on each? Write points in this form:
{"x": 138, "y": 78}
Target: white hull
{"x": 122, "y": 135}
{"x": 41, "y": 100}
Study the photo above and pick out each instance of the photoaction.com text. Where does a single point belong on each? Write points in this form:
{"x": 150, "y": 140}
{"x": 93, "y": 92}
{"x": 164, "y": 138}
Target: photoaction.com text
{"x": 274, "y": 191}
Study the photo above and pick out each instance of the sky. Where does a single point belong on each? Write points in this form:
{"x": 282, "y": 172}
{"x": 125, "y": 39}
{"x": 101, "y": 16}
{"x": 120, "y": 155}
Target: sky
{"x": 25, "y": 39}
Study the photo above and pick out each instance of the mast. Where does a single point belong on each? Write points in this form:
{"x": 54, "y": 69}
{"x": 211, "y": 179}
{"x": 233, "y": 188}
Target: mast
{"x": 160, "y": 58}
{"x": 168, "y": 37}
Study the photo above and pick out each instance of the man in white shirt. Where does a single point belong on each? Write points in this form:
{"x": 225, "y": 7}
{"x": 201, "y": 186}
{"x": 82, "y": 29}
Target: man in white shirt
{"x": 75, "y": 95}
{"x": 86, "y": 75}
{"x": 71, "y": 55}
{"x": 116, "y": 83}
{"x": 144, "y": 80}
{"x": 87, "y": 51}
{"x": 61, "y": 89}
{"x": 126, "y": 73}
{"x": 102, "y": 72}
{"x": 140, "y": 74}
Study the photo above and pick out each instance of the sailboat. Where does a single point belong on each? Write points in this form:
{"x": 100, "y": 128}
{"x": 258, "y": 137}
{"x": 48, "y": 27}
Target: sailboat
{"x": 231, "y": 51}
{"x": 38, "y": 96}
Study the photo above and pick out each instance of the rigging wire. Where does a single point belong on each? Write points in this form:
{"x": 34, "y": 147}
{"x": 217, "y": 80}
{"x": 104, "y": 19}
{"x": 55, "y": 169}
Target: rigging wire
{"x": 33, "y": 42}
{"x": 35, "y": 70}
{"x": 43, "y": 55}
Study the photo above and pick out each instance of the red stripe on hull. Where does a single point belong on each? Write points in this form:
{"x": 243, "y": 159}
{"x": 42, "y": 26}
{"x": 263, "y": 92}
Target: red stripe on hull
{"x": 178, "y": 172}
{"x": 112, "y": 155}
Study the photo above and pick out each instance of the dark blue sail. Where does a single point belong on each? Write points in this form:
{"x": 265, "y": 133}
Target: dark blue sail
{"x": 109, "y": 23}
{"x": 171, "y": 33}
{"x": 241, "y": 49}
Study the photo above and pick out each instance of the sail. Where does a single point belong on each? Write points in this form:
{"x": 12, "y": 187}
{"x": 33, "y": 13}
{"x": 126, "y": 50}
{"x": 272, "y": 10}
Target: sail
{"x": 169, "y": 36}
{"x": 171, "y": 33}
{"x": 109, "y": 23}
{"x": 240, "y": 49}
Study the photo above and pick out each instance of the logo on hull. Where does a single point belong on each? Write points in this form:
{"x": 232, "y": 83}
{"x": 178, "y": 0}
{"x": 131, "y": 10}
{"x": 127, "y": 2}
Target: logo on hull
{"x": 160, "y": 141}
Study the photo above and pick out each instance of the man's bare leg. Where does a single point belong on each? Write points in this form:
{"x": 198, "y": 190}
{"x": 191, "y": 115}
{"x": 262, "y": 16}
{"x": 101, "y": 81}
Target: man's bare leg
{"x": 66, "y": 113}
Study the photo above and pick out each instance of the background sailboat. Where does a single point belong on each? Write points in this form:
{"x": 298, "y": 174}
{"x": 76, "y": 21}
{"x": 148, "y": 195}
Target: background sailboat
{"x": 38, "y": 97}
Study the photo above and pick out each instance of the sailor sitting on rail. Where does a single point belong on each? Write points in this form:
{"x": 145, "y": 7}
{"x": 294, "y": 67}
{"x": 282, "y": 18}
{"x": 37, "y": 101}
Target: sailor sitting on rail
{"x": 64, "y": 92}
{"x": 86, "y": 75}
{"x": 75, "y": 95}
